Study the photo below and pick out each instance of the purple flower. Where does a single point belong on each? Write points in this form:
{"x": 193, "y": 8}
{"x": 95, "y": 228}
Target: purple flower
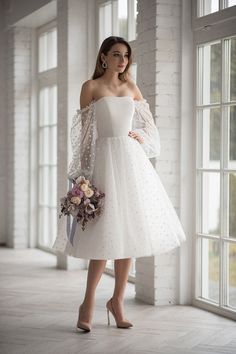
{"x": 77, "y": 192}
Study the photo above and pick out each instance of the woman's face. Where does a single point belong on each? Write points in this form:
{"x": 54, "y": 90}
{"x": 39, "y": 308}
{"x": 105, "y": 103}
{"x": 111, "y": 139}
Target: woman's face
{"x": 117, "y": 57}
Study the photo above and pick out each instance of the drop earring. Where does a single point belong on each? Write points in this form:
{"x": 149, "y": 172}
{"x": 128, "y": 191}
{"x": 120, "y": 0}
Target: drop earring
{"x": 104, "y": 65}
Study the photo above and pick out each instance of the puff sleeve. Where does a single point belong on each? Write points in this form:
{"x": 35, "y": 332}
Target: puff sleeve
{"x": 143, "y": 124}
{"x": 83, "y": 135}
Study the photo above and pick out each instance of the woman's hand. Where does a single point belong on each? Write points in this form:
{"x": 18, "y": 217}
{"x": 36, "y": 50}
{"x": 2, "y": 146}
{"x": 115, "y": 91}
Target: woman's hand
{"x": 136, "y": 136}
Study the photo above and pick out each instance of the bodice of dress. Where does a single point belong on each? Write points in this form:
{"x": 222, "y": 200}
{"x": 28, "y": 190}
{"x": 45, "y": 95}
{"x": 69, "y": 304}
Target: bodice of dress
{"x": 109, "y": 116}
{"x": 114, "y": 115}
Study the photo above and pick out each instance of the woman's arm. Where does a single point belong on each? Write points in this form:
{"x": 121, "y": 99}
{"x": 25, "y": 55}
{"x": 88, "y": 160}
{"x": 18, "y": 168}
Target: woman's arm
{"x": 143, "y": 128}
{"x": 83, "y": 135}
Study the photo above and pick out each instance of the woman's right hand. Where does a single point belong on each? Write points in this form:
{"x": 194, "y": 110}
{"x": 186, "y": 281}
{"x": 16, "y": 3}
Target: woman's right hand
{"x": 136, "y": 136}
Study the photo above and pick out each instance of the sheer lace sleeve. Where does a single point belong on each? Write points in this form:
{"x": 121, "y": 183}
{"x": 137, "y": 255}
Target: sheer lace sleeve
{"x": 143, "y": 124}
{"x": 83, "y": 137}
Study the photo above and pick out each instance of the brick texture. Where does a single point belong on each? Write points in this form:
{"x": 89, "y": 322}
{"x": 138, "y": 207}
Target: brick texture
{"x": 18, "y": 122}
{"x": 158, "y": 57}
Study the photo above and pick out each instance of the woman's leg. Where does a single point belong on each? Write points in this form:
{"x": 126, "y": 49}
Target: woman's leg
{"x": 95, "y": 270}
{"x": 122, "y": 267}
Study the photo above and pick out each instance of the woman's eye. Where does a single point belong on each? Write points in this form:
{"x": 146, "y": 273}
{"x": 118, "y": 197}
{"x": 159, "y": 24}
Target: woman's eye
{"x": 117, "y": 55}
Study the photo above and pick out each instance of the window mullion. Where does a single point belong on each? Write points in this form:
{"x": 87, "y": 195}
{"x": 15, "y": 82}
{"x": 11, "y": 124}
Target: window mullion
{"x": 221, "y": 255}
{"x": 131, "y": 23}
{"x": 115, "y": 21}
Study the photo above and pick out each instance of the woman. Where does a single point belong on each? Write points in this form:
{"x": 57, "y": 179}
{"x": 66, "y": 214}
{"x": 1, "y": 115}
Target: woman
{"x": 113, "y": 136}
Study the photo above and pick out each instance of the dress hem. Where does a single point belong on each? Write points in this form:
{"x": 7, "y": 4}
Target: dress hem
{"x": 121, "y": 257}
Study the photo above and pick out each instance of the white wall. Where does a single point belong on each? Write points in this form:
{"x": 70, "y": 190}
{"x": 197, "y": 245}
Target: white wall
{"x": 159, "y": 77}
{"x": 18, "y": 124}
{"x": 3, "y": 129}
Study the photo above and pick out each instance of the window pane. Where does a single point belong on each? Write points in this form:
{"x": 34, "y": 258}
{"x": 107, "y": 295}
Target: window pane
{"x": 105, "y": 21}
{"x": 44, "y": 183}
{"x": 43, "y": 225}
{"x": 53, "y": 228}
{"x": 52, "y": 49}
{"x": 47, "y": 165}
{"x": 210, "y": 270}
{"x": 209, "y": 132}
{"x": 233, "y": 69}
{"x": 53, "y": 145}
{"x": 43, "y": 107}
{"x": 135, "y": 18}
{"x": 53, "y": 187}
{"x": 48, "y": 106}
{"x": 232, "y": 205}
{"x": 123, "y": 18}
{"x": 47, "y": 47}
{"x": 206, "y": 7}
{"x": 232, "y": 275}
{"x": 210, "y": 203}
{"x": 232, "y": 138}
{"x": 230, "y": 69}
{"x": 209, "y": 73}
{"x": 44, "y": 145}
{"x": 53, "y": 105}
{"x": 42, "y": 52}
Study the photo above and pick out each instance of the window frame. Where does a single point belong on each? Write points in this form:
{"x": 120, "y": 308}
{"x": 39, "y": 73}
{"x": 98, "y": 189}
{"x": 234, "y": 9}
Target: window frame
{"x": 206, "y": 29}
{"x": 43, "y": 79}
{"x": 115, "y": 24}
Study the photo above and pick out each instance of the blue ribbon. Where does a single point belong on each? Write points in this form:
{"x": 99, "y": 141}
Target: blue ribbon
{"x": 71, "y": 228}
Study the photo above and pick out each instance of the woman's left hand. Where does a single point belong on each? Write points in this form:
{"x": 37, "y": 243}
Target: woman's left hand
{"x": 136, "y": 136}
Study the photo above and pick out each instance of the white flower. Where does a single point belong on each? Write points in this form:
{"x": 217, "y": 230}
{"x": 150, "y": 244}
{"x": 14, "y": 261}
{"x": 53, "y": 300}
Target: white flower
{"x": 84, "y": 187}
{"x": 76, "y": 200}
{"x": 89, "y": 192}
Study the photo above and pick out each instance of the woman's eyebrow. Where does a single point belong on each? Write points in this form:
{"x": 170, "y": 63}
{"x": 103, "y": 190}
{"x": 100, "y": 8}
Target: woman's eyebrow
{"x": 117, "y": 51}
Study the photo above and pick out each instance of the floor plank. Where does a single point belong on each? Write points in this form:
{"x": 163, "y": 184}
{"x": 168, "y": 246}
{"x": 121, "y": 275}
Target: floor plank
{"x": 39, "y": 310}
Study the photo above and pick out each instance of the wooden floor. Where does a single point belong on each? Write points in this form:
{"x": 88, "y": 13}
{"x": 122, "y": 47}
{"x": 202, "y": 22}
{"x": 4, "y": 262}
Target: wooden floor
{"x": 39, "y": 309}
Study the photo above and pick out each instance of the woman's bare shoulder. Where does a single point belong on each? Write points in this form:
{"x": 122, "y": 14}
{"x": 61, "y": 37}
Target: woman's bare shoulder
{"x": 137, "y": 95}
{"x": 87, "y": 90}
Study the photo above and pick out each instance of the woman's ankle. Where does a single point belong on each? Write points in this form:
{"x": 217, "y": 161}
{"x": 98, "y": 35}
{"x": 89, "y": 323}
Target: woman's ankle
{"x": 117, "y": 299}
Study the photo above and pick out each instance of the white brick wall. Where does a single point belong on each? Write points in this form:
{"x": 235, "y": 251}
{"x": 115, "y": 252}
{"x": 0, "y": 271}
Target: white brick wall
{"x": 72, "y": 22}
{"x": 146, "y": 60}
{"x": 17, "y": 148}
{"x": 158, "y": 54}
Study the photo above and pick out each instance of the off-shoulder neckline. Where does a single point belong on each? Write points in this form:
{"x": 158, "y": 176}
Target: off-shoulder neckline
{"x": 93, "y": 102}
{"x": 101, "y": 98}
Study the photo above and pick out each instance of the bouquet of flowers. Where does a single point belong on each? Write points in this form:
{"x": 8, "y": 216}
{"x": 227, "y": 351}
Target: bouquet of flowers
{"x": 84, "y": 201}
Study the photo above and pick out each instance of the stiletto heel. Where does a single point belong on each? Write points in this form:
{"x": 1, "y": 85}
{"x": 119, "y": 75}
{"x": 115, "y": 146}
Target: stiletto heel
{"x": 86, "y": 326}
{"x": 108, "y": 318}
{"x": 119, "y": 324}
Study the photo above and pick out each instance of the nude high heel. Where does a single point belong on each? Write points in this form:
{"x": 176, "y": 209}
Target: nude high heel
{"x": 86, "y": 326}
{"x": 119, "y": 324}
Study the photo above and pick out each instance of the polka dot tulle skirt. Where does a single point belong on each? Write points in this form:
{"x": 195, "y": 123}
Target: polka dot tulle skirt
{"x": 138, "y": 218}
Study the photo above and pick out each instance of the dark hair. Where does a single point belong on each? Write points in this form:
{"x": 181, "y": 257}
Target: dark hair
{"x": 105, "y": 47}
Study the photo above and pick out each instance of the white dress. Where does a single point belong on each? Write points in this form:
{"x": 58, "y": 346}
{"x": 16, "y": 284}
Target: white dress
{"x": 138, "y": 218}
